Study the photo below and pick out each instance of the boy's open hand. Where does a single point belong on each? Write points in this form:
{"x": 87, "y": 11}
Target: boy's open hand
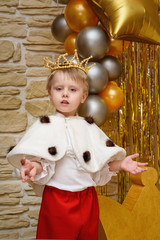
{"x": 29, "y": 169}
{"x": 132, "y": 166}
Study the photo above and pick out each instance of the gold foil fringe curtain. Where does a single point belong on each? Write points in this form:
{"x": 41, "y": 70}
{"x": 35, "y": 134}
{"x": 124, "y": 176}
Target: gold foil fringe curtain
{"x": 136, "y": 126}
{"x": 139, "y": 118}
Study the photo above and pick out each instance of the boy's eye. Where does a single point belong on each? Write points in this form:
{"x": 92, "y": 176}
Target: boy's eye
{"x": 73, "y": 90}
{"x": 58, "y": 88}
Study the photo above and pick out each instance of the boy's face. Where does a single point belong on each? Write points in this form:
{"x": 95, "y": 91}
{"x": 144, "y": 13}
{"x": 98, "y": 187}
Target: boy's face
{"x": 66, "y": 94}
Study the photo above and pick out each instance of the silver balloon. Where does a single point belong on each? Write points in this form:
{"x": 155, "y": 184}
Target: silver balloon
{"x": 60, "y": 29}
{"x": 98, "y": 78}
{"x": 93, "y": 41}
{"x": 69, "y": 57}
{"x": 62, "y": 1}
{"x": 95, "y": 107}
{"x": 113, "y": 66}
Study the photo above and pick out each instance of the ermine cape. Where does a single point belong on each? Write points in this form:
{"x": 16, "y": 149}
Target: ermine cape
{"x": 46, "y": 139}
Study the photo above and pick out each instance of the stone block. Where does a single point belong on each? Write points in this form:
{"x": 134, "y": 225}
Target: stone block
{"x": 8, "y": 10}
{"x": 17, "y": 53}
{"x": 57, "y": 48}
{"x": 5, "y": 143}
{"x": 36, "y": 60}
{"x": 9, "y": 19}
{"x": 14, "y": 223}
{"x": 5, "y": 170}
{"x": 32, "y": 201}
{"x": 31, "y": 193}
{"x": 9, "y": 235}
{"x": 35, "y": 3}
{"x": 10, "y": 188}
{"x": 5, "y": 217}
{"x": 41, "y": 37}
{"x": 9, "y": 91}
{"x": 6, "y": 50}
{"x": 13, "y": 210}
{"x": 50, "y": 11}
{"x": 40, "y": 22}
{"x": 12, "y": 122}
{"x": 6, "y": 201}
{"x": 41, "y": 72}
{"x": 34, "y": 214}
{"x": 16, "y": 195}
{"x": 29, "y": 234}
{"x": 36, "y": 89}
{"x": 8, "y": 103}
{"x": 13, "y": 30}
{"x": 39, "y": 108}
{"x": 9, "y": 3}
{"x": 12, "y": 79}
{"x": 12, "y": 68}
{"x": 34, "y": 224}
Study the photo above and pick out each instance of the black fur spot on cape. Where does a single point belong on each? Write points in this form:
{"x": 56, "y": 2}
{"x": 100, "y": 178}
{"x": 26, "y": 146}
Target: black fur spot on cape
{"x": 52, "y": 150}
{"x": 86, "y": 156}
{"x": 90, "y": 120}
{"x": 10, "y": 148}
{"x": 109, "y": 143}
{"x": 44, "y": 119}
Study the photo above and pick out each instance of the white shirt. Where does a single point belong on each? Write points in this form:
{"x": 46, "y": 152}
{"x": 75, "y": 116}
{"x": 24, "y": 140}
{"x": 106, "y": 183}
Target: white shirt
{"x": 67, "y": 173}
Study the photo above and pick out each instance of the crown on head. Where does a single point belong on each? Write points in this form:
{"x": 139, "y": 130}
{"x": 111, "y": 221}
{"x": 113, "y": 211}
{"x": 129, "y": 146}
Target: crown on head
{"x": 62, "y": 63}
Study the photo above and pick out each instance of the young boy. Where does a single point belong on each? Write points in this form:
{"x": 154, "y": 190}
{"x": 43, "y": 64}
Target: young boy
{"x": 70, "y": 155}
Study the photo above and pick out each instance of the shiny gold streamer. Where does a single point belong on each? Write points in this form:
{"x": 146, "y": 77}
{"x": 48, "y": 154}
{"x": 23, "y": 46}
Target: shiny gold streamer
{"x": 136, "y": 125}
{"x": 142, "y": 110}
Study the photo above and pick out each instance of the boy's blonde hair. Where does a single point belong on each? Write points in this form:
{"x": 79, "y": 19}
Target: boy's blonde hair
{"x": 74, "y": 73}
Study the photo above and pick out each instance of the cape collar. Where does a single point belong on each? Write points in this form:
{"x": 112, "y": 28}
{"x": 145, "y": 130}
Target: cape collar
{"x": 58, "y": 114}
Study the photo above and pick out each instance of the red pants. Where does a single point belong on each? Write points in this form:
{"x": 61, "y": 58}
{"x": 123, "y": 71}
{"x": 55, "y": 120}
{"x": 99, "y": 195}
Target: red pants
{"x": 68, "y": 215}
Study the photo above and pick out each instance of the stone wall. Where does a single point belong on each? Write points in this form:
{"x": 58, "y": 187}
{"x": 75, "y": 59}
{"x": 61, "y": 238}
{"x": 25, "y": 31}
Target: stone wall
{"x": 25, "y": 38}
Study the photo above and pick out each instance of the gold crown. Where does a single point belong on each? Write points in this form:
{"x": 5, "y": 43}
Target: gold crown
{"x": 62, "y": 63}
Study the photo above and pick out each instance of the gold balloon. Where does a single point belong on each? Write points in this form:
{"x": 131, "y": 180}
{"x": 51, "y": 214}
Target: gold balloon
{"x": 112, "y": 83}
{"x": 78, "y": 15}
{"x": 117, "y": 46}
{"x": 113, "y": 96}
{"x": 70, "y": 43}
{"x": 130, "y": 20}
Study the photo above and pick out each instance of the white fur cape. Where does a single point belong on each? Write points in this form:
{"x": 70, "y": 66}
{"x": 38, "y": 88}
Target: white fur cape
{"x": 85, "y": 137}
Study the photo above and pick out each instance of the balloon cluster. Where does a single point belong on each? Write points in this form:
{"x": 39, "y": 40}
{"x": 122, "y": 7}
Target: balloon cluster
{"x": 80, "y": 28}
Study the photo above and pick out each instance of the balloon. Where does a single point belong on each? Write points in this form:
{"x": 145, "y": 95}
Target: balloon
{"x": 60, "y": 29}
{"x": 92, "y": 41}
{"x": 95, "y": 107}
{"x": 70, "y": 42}
{"x": 69, "y": 57}
{"x": 112, "y": 83}
{"x": 113, "y": 66}
{"x": 129, "y": 20}
{"x": 62, "y": 1}
{"x": 113, "y": 96}
{"x": 98, "y": 78}
{"x": 117, "y": 46}
{"x": 79, "y": 14}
